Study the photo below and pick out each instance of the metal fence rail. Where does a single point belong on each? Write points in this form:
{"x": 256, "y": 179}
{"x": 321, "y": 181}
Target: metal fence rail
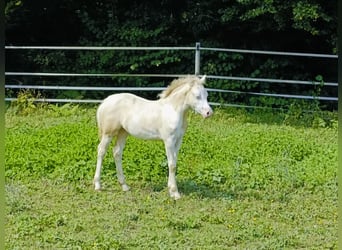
{"x": 251, "y": 79}
{"x": 277, "y": 53}
{"x": 197, "y": 49}
{"x": 96, "y": 48}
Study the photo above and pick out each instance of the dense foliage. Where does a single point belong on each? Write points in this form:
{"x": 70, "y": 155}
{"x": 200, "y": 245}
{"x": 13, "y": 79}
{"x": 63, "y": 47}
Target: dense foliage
{"x": 301, "y": 26}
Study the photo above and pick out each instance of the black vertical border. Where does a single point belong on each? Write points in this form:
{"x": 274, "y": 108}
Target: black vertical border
{"x": 339, "y": 171}
{"x": 2, "y": 125}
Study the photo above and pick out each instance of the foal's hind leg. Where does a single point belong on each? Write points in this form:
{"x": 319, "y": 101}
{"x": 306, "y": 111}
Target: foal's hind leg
{"x": 117, "y": 153}
{"x": 101, "y": 151}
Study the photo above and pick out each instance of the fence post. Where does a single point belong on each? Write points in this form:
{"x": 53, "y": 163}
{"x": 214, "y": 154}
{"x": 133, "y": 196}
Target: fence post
{"x": 197, "y": 59}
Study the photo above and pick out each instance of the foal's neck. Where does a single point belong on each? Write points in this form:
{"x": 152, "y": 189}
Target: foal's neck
{"x": 180, "y": 107}
{"x": 178, "y": 103}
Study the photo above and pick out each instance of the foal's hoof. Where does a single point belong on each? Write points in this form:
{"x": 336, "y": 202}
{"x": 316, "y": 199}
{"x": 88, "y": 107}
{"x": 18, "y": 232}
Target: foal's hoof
{"x": 125, "y": 188}
{"x": 97, "y": 187}
{"x": 175, "y": 196}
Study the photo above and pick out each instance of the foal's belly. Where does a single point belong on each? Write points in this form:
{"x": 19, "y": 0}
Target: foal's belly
{"x": 146, "y": 134}
{"x": 144, "y": 129}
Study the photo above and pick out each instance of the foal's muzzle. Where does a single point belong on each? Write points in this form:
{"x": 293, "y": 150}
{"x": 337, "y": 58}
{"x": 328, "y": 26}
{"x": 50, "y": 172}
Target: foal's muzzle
{"x": 207, "y": 112}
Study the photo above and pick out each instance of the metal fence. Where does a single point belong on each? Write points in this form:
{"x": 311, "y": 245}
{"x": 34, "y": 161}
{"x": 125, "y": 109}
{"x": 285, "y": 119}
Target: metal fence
{"x": 197, "y": 71}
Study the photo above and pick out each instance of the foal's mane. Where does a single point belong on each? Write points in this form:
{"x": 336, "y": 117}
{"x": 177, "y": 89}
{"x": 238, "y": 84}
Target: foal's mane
{"x": 179, "y": 83}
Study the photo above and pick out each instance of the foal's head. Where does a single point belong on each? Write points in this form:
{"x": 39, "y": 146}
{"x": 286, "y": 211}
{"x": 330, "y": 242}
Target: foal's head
{"x": 191, "y": 92}
{"x": 197, "y": 97}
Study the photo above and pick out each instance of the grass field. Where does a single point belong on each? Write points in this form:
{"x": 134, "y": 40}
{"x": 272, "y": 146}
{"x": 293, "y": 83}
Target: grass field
{"x": 249, "y": 180}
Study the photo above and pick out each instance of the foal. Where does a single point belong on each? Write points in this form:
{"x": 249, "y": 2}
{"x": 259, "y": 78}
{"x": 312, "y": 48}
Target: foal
{"x": 165, "y": 119}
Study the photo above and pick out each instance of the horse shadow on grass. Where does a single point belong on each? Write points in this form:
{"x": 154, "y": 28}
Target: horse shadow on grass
{"x": 194, "y": 189}
{"x": 190, "y": 188}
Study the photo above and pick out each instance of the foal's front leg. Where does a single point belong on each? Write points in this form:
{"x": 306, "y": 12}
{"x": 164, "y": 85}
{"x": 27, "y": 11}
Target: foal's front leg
{"x": 171, "y": 152}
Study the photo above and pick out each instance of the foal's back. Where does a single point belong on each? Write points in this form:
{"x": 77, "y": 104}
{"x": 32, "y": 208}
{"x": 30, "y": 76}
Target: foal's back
{"x": 124, "y": 111}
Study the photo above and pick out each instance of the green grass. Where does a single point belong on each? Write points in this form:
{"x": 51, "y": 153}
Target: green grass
{"x": 248, "y": 181}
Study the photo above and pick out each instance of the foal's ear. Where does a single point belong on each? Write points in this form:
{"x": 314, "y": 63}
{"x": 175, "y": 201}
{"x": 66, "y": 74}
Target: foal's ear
{"x": 202, "y": 80}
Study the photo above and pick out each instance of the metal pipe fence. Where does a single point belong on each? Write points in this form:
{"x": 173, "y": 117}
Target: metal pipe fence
{"x": 197, "y": 66}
